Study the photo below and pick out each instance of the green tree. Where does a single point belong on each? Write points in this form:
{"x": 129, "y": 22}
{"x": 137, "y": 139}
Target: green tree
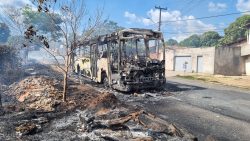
{"x": 45, "y": 23}
{"x": 210, "y": 38}
{"x": 4, "y": 32}
{"x": 192, "y": 41}
{"x": 172, "y": 42}
{"x": 235, "y": 31}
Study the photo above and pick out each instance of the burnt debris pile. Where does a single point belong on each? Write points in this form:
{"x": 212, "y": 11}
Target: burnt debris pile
{"x": 37, "y": 92}
{"x": 107, "y": 118}
{"x": 34, "y": 111}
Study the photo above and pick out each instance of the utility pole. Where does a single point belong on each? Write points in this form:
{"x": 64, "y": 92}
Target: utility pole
{"x": 157, "y": 45}
{"x": 160, "y": 8}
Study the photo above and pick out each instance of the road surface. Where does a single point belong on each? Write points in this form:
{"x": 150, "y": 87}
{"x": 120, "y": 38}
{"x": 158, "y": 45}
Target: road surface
{"x": 203, "y": 108}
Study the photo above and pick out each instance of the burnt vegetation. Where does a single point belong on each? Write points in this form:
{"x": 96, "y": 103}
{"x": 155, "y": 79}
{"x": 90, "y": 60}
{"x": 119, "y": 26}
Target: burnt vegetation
{"x": 10, "y": 65}
{"x": 49, "y": 101}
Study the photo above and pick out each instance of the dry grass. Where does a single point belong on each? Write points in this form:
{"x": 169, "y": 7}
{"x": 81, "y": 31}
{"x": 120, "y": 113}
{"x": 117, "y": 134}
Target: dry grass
{"x": 235, "y": 81}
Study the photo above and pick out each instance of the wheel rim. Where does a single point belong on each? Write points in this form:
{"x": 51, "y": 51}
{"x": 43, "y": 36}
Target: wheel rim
{"x": 105, "y": 82}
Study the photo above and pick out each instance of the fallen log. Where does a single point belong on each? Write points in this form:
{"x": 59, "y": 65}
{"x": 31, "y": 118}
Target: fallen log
{"x": 133, "y": 116}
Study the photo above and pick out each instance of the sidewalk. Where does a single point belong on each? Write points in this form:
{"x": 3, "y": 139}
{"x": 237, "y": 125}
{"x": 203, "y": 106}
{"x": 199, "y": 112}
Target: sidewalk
{"x": 235, "y": 81}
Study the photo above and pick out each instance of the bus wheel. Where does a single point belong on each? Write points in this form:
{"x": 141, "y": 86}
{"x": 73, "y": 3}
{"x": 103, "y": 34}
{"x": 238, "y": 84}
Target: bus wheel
{"x": 106, "y": 82}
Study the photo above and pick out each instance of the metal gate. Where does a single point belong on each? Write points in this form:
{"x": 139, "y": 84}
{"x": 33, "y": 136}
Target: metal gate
{"x": 199, "y": 64}
{"x": 183, "y": 63}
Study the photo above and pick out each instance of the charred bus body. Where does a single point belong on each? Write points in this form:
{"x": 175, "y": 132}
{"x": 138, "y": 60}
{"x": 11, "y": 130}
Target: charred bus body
{"x": 121, "y": 60}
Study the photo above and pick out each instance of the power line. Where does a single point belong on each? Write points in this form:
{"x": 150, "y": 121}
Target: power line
{"x": 175, "y": 33}
{"x": 207, "y": 17}
{"x": 204, "y": 30}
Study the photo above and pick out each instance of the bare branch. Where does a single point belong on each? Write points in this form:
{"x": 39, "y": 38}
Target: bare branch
{"x": 58, "y": 63}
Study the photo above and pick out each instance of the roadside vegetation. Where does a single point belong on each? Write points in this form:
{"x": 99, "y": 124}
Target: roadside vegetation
{"x": 234, "y": 33}
{"x": 235, "y": 81}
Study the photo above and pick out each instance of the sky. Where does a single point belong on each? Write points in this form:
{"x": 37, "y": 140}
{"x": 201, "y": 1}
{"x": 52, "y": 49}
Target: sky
{"x": 142, "y": 14}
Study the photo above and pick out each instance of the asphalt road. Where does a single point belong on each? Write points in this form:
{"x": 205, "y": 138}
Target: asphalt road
{"x": 203, "y": 108}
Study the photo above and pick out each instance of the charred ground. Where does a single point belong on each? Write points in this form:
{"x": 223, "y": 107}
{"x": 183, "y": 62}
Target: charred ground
{"x": 34, "y": 111}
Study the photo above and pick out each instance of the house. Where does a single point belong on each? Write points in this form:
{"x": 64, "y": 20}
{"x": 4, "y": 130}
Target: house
{"x": 190, "y": 59}
{"x": 230, "y": 60}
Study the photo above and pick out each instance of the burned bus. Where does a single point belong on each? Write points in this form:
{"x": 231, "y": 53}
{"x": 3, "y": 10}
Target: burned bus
{"x": 122, "y": 60}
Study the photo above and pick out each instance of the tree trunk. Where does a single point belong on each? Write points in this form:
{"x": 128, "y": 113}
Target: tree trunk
{"x": 26, "y": 56}
{"x": 65, "y": 85}
{"x": 65, "y": 77}
{"x": 72, "y": 60}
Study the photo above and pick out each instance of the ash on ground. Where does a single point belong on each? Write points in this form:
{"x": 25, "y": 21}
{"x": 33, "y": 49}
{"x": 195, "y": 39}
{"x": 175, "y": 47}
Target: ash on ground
{"x": 34, "y": 111}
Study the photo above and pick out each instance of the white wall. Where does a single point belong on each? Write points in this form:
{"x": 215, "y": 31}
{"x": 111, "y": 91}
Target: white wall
{"x": 247, "y": 62}
{"x": 207, "y": 53}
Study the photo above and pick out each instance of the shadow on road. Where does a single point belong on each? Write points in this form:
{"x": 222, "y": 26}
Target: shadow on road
{"x": 178, "y": 87}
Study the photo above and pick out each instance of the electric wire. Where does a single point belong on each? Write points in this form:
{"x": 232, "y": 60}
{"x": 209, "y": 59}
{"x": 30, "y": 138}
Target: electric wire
{"x": 206, "y": 17}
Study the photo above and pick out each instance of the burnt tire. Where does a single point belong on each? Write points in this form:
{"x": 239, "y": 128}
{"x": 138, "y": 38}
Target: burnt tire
{"x": 105, "y": 80}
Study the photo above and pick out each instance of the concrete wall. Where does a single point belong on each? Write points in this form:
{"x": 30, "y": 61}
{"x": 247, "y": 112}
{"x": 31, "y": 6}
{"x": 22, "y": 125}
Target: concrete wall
{"x": 245, "y": 53}
{"x": 228, "y": 61}
{"x": 247, "y": 65}
{"x": 241, "y": 43}
{"x": 245, "y": 50}
{"x": 207, "y": 53}
{"x": 169, "y": 61}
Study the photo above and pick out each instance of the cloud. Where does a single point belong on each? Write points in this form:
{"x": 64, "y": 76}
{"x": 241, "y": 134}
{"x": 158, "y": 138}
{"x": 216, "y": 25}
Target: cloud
{"x": 15, "y": 3}
{"x": 216, "y": 7}
{"x": 243, "y": 5}
{"x": 180, "y": 37}
{"x": 182, "y": 26}
{"x": 131, "y": 17}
